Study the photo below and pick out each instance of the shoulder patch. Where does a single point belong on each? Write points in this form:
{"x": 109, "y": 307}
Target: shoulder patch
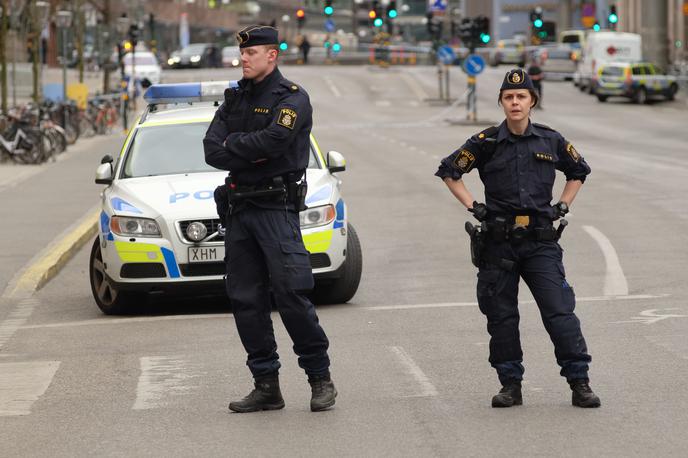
{"x": 464, "y": 160}
{"x": 572, "y": 152}
{"x": 543, "y": 126}
{"x": 287, "y": 118}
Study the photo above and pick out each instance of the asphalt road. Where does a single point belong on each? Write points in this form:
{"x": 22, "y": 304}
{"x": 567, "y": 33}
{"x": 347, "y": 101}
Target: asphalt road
{"x": 409, "y": 351}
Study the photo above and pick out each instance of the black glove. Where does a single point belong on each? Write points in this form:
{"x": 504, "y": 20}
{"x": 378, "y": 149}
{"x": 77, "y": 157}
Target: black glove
{"x": 479, "y": 211}
{"x": 560, "y": 209}
{"x": 221, "y": 196}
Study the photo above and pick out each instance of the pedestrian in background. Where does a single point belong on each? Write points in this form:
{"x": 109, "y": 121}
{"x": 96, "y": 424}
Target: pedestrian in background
{"x": 517, "y": 162}
{"x": 261, "y": 135}
{"x": 305, "y": 47}
{"x": 537, "y": 76}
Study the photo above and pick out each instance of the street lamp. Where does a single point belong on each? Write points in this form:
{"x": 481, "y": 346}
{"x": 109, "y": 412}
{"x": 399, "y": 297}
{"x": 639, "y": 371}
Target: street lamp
{"x": 42, "y": 12}
{"x": 63, "y": 19}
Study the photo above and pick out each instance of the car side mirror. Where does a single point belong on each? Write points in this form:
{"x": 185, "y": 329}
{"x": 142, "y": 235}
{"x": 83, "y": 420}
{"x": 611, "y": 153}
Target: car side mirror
{"x": 105, "y": 172}
{"x": 335, "y": 162}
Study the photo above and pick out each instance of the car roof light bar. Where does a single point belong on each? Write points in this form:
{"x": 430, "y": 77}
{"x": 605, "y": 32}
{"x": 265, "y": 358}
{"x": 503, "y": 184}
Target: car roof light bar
{"x": 206, "y": 91}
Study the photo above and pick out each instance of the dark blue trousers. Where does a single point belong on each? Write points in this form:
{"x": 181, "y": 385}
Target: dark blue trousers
{"x": 540, "y": 265}
{"x": 265, "y": 254}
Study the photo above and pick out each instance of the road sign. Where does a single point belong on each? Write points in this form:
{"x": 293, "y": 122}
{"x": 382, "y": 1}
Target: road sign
{"x": 437, "y": 5}
{"x": 329, "y": 25}
{"x": 473, "y": 65}
{"x": 446, "y": 55}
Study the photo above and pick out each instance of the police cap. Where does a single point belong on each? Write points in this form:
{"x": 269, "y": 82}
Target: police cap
{"x": 255, "y": 35}
{"x": 517, "y": 79}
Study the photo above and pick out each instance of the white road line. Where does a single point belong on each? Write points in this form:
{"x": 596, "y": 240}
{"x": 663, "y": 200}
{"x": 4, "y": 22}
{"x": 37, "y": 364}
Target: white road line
{"x": 615, "y": 283}
{"x": 21, "y": 384}
{"x": 16, "y": 319}
{"x": 415, "y": 87}
{"x": 427, "y": 388}
{"x": 163, "y": 377}
{"x": 332, "y": 87}
{"x": 475, "y": 304}
{"x": 141, "y": 319}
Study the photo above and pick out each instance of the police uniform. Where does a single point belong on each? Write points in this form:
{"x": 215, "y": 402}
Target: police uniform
{"x": 260, "y": 134}
{"x": 518, "y": 173}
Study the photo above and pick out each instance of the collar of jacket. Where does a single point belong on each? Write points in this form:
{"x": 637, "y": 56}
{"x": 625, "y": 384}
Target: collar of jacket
{"x": 504, "y": 132}
{"x": 251, "y": 86}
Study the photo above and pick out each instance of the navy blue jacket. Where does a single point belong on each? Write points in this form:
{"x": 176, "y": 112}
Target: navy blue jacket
{"x": 518, "y": 171}
{"x": 262, "y": 130}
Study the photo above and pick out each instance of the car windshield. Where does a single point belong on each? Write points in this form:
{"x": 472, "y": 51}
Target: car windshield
{"x": 511, "y": 43}
{"x": 141, "y": 59}
{"x": 172, "y": 149}
{"x": 194, "y": 49}
{"x": 612, "y": 71}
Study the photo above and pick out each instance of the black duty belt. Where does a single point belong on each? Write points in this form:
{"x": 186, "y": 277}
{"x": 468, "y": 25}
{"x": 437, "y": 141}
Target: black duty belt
{"x": 517, "y": 228}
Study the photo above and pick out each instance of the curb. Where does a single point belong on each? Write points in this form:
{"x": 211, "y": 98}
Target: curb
{"x": 49, "y": 261}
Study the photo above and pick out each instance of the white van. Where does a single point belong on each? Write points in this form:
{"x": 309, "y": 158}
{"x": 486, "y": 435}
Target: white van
{"x": 604, "y": 47}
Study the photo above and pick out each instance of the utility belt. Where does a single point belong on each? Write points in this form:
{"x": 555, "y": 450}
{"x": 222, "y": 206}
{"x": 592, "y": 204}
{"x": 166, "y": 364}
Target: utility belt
{"x": 278, "y": 189}
{"x": 519, "y": 228}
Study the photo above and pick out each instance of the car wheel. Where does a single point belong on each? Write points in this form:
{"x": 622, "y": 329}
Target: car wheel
{"x": 342, "y": 289}
{"x": 640, "y": 96}
{"x": 671, "y": 94}
{"x": 110, "y": 300}
{"x": 601, "y": 98}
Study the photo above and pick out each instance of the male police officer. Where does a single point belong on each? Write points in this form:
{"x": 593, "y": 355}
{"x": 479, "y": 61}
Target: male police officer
{"x": 517, "y": 163}
{"x": 261, "y": 135}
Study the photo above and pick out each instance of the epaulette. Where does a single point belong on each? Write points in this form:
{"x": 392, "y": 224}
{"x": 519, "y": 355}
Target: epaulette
{"x": 543, "y": 126}
{"x": 490, "y": 132}
{"x": 289, "y": 85}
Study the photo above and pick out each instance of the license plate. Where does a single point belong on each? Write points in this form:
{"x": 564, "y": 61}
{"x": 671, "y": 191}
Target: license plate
{"x": 206, "y": 253}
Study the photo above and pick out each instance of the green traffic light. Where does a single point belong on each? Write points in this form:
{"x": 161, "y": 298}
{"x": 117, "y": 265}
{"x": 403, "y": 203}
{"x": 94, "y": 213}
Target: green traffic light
{"x": 613, "y": 18}
{"x": 327, "y": 44}
{"x": 537, "y": 23}
{"x": 542, "y": 34}
{"x": 596, "y": 27}
{"x": 485, "y": 37}
{"x": 392, "y": 14}
{"x": 377, "y": 22}
{"x": 329, "y": 10}
{"x": 283, "y": 46}
{"x": 336, "y": 47}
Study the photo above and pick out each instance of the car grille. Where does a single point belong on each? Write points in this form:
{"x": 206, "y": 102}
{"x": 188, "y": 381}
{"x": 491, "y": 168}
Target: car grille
{"x": 210, "y": 224}
{"x": 319, "y": 260}
{"x": 201, "y": 269}
{"x": 142, "y": 270}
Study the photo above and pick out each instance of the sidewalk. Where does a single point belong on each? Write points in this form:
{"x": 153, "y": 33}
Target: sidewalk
{"x": 39, "y": 202}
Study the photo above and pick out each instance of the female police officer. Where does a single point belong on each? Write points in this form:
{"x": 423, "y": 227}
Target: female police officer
{"x": 517, "y": 162}
{"x": 261, "y": 134}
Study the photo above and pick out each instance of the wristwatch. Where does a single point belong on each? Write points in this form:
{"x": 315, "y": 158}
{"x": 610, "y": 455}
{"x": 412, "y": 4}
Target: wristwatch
{"x": 563, "y": 208}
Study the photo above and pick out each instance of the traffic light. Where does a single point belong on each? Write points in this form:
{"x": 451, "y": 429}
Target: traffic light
{"x": 328, "y": 8}
{"x": 392, "y": 9}
{"x": 483, "y": 26}
{"x": 536, "y": 17}
{"x": 596, "y": 27}
{"x": 613, "y": 18}
{"x": 134, "y": 35}
{"x": 300, "y": 17}
{"x": 283, "y": 46}
{"x": 378, "y": 22}
{"x": 336, "y": 47}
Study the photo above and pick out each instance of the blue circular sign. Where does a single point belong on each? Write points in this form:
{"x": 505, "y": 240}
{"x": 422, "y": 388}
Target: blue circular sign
{"x": 473, "y": 65}
{"x": 446, "y": 54}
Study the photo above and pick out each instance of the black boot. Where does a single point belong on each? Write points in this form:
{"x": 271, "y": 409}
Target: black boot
{"x": 509, "y": 395}
{"x": 265, "y": 396}
{"x": 323, "y": 392}
{"x": 583, "y": 395}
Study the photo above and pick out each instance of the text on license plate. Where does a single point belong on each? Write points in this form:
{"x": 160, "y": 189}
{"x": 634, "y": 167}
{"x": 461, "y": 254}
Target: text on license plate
{"x": 206, "y": 253}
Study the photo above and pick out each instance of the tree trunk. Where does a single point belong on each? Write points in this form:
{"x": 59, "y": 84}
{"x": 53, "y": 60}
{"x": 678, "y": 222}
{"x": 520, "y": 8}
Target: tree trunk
{"x": 3, "y": 56}
{"x": 79, "y": 37}
{"x": 107, "y": 19}
{"x": 33, "y": 36}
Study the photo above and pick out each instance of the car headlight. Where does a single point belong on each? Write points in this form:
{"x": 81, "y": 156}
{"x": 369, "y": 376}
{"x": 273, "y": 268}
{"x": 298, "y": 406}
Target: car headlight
{"x": 196, "y": 231}
{"x": 235, "y": 62}
{"x": 195, "y": 59}
{"x": 317, "y": 216}
{"x": 134, "y": 227}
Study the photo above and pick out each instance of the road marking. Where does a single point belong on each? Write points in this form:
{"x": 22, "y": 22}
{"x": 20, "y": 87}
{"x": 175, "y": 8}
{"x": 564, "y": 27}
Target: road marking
{"x": 16, "y": 319}
{"x": 475, "y": 304}
{"x": 21, "y": 384}
{"x": 163, "y": 377}
{"x": 651, "y": 316}
{"x": 615, "y": 283}
{"x": 415, "y": 87}
{"x": 427, "y": 388}
{"x": 142, "y": 319}
{"x": 332, "y": 87}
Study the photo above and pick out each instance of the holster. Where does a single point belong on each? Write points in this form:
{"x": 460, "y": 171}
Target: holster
{"x": 221, "y": 196}
{"x": 477, "y": 243}
{"x": 296, "y": 193}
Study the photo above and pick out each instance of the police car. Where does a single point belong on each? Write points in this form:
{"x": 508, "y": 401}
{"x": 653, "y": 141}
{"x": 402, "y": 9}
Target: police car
{"x": 159, "y": 230}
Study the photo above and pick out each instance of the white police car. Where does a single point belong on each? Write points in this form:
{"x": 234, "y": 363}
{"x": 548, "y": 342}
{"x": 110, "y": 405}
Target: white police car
{"x": 158, "y": 227}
